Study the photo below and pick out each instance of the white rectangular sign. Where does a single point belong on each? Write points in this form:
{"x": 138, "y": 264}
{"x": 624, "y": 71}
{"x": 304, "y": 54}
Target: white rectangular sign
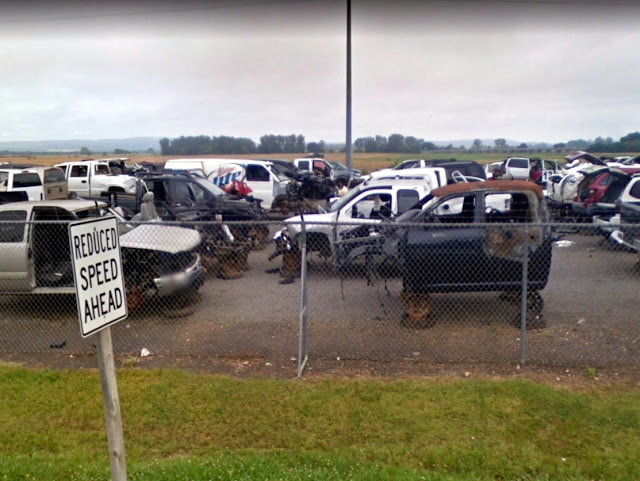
{"x": 97, "y": 271}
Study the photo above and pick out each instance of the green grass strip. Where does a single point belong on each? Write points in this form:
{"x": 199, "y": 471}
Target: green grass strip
{"x": 205, "y": 427}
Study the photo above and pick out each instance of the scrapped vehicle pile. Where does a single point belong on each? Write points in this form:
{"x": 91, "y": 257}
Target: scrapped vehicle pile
{"x": 183, "y": 196}
{"x": 471, "y": 235}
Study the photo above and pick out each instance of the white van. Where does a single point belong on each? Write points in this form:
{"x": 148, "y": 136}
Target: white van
{"x": 259, "y": 175}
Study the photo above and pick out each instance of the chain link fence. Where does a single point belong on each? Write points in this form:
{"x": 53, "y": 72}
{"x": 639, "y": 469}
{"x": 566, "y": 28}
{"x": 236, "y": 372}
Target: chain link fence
{"x": 428, "y": 294}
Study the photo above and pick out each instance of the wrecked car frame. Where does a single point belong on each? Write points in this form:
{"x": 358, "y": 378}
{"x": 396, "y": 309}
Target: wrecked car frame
{"x": 158, "y": 260}
{"x": 468, "y": 237}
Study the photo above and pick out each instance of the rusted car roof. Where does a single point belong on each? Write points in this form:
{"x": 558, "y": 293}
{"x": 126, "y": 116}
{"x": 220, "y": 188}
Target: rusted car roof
{"x": 492, "y": 185}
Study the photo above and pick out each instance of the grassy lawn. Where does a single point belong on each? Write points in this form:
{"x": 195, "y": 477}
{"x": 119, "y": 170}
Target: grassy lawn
{"x": 183, "y": 426}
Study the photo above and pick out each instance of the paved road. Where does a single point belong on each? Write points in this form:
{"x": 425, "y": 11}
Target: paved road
{"x": 591, "y": 307}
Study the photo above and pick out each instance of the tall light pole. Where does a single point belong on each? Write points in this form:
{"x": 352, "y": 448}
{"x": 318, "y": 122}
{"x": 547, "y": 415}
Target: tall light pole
{"x": 348, "y": 136}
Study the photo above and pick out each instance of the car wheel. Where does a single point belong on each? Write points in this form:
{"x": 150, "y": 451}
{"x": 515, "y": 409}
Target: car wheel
{"x": 535, "y": 319}
{"x": 417, "y": 310}
{"x": 180, "y": 306}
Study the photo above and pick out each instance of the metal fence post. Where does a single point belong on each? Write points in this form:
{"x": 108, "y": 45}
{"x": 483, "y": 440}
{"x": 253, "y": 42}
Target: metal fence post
{"x": 523, "y": 300}
{"x": 303, "y": 355}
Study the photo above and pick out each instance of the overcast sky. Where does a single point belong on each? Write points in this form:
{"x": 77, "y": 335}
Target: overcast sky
{"x": 548, "y": 70}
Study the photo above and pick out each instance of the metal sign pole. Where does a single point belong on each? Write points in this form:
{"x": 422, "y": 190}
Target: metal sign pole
{"x": 102, "y": 301}
{"x": 303, "y": 350}
{"x": 112, "y": 412}
{"x": 523, "y": 300}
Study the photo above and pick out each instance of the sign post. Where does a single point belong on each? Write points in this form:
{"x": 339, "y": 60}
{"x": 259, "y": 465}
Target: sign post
{"x": 101, "y": 296}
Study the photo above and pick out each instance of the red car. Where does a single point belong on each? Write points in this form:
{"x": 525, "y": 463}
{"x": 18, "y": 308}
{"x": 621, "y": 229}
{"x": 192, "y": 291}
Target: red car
{"x": 599, "y": 190}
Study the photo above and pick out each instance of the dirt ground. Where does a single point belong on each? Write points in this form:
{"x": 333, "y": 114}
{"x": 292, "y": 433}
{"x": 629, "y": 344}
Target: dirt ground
{"x": 250, "y": 327}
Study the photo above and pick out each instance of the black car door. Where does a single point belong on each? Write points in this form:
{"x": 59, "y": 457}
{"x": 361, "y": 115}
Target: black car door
{"x": 444, "y": 253}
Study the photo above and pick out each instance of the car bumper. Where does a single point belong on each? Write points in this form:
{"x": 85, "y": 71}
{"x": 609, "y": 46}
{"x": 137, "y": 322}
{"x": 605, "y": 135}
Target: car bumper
{"x": 618, "y": 237}
{"x": 190, "y": 279}
{"x": 606, "y": 223}
{"x": 556, "y": 204}
{"x": 599, "y": 209}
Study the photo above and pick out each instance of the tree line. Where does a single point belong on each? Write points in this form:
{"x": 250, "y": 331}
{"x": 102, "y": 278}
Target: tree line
{"x": 627, "y": 143}
{"x": 269, "y": 144}
{"x": 274, "y": 144}
{"x": 394, "y": 143}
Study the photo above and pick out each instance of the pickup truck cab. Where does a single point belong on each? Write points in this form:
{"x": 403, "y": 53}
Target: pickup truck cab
{"x": 35, "y": 257}
{"x": 366, "y": 204}
{"x": 452, "y": 167}
{"x": 92, "y": 178}
{"x": 476, "y": 246}
{"x": 341, "y": 175}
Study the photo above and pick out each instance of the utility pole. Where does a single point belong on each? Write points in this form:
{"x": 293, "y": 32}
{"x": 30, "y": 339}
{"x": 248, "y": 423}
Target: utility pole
{"x": 348, "y": 136}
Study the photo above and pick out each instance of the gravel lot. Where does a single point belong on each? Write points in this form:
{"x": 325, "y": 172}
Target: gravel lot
{"x": 249, "y": 326}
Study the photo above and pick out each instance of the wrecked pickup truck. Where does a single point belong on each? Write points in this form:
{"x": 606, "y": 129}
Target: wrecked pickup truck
{"x": 437, "y": 255}
{"x": 182, "y": 196}
{"x": 90, "y": 178}
{"x": 471, "y": 237}
{"x": 368, "y": 203}
{"x": 35, "y": 258}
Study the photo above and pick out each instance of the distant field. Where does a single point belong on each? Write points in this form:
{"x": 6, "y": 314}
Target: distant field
{"x": 367, "y": 162}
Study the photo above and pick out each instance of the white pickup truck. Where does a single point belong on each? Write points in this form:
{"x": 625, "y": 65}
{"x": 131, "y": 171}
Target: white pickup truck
{"x": 92, "y": 178}
{"x": 366, "y": 204}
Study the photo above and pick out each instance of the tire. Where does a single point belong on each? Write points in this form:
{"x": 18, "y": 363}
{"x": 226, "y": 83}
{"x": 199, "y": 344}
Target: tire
{"x": 417, "y": 310}
{"x": 182, "y": 306}
{"x": 535, "y": 319}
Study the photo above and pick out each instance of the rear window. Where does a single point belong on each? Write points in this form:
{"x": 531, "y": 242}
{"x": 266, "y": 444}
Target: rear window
{"x": 635, "y": 190}
{"x": 13, "y": 229}
{"x": 53, "y": 175}
{"x": 26, "y": 179}
{"x": 519, "y": 163}
{"x": 408, "y": 165}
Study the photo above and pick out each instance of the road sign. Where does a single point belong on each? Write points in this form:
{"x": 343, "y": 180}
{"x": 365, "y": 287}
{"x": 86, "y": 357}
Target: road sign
{"x": 97, "y": 270}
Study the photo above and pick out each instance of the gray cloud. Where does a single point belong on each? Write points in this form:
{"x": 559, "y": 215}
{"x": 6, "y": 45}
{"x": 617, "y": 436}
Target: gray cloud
{"x": 436, "y": 70}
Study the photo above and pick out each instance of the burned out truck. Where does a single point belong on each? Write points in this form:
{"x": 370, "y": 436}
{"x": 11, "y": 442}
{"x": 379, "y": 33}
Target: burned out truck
{"x": 474, "y": 237}
{"x": 35, "y": 257}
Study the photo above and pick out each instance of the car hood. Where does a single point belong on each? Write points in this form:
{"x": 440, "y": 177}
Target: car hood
{"x": 581, "y": 155}
{"x": 160, "y": 237}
